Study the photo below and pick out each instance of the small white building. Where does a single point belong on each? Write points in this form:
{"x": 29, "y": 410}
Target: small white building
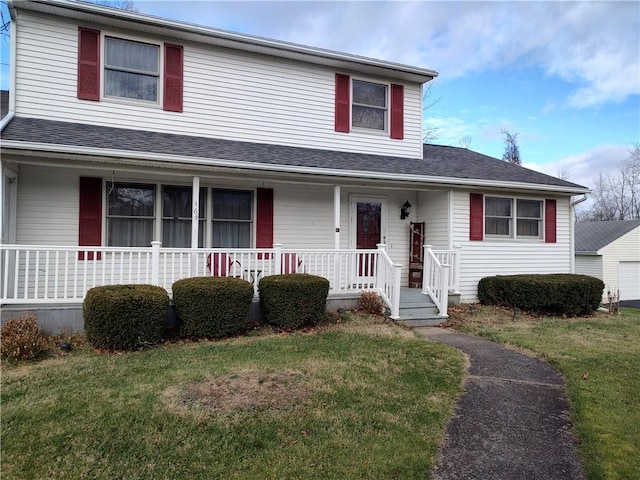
{"x": 610, "y": 251}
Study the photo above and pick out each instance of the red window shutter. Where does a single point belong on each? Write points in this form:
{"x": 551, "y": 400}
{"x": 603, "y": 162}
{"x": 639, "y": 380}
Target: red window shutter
{"x": 550, "y": 221}
{"x": 343, "y": 102}
{"x": 264, "y": 218}
{"x": 90, "y": 224}
{"x": 88, "y": 64}
{"x": 476, "y": 216}
{"x": 173, "y": 78}
{"x": 397, "y": 111}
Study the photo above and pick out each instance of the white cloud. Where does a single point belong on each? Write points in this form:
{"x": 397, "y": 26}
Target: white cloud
{"x": 593, "y": 45}
{"x": 582, "y": 168}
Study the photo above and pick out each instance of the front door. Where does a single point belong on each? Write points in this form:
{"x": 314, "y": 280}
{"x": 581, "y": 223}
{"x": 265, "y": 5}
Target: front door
{"x": 369, "y": 229}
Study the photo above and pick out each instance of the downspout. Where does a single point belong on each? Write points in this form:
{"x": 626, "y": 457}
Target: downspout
{"x": 572, "y": 223}
{"x": 12, "y": 72}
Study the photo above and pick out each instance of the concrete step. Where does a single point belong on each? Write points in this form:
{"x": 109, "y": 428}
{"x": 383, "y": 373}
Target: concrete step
{"x": 421, "y": 322}
{"x": 413, "y": 311}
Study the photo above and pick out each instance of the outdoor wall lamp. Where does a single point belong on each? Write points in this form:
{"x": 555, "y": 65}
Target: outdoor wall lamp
{"x": 404, "y": 210}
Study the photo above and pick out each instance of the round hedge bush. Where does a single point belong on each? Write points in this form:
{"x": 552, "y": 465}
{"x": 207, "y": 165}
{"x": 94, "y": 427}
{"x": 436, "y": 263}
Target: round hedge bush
{"x": 294, "y": 300}
{"x": 212, "y": 306}
{"x": 124, "y": 317}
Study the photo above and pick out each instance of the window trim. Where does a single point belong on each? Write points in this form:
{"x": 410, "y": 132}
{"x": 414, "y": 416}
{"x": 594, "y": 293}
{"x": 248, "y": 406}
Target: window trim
{"x": 158, "y": 103}
{"x": 513, "y": 220}
{"x": 386, "y": 109}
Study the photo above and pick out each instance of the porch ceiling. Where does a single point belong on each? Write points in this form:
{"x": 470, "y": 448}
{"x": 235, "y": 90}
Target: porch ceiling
{"x": 441, "y": 165}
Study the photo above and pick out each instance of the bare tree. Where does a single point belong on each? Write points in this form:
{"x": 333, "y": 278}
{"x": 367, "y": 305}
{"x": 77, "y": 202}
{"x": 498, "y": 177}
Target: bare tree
{"x": 429, "y": 133}
{"x": 616, "y": 195}
{"x": 511, "y": 151}
{"x": 563, "y": 174}
{"x": 121, "y": 4}
{"x": 465, "y": 142}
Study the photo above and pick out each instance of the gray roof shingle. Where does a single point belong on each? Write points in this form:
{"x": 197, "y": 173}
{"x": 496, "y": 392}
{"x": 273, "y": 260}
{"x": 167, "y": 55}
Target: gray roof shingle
{"x": 592, "y": 236}
{"x": 438, "y": 161}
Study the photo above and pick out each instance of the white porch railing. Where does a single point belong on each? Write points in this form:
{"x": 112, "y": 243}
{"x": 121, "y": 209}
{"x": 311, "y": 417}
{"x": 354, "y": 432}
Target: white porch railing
{"x": 435, "y": 280}
{"x": 38, "y": 274}
{"x": 451, "y": 258}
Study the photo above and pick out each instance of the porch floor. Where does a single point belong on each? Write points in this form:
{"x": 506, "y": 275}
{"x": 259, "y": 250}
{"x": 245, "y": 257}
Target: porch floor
{"x": 417, "y": 309}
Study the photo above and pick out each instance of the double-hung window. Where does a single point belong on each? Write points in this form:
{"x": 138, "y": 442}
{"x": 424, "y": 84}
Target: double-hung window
{"x": 130, "y": 214}
{"x": 502, "y": 221}
{"x": 176, "y": 216}
{"x": 369, "y": 105}
{"x": 232, "y": 223}
{"x": 131, "y": 69}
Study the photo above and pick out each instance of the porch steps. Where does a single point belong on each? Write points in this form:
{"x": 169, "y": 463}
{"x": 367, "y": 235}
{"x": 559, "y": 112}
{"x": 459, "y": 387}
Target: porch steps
{"x": 417, "y": 309}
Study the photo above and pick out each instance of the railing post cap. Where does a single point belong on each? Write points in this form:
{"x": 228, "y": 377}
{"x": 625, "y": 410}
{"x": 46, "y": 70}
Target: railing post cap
{"x": 428, "y": 246}
{"x": 381, "y": 245}
{"x": 156, "y": 243}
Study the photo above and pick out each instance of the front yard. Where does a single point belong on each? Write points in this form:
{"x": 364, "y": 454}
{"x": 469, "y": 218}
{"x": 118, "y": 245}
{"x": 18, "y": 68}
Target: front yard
{"x": 354, "y": 399}
{"x": 599, "y": 357}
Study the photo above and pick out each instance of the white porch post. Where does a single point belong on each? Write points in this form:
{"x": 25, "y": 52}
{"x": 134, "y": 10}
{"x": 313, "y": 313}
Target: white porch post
{"x": 2, "y": 239}
{"x": 155, "y": 261}
{"x": 195, "y": 217}
{"x": 336, "y": 216}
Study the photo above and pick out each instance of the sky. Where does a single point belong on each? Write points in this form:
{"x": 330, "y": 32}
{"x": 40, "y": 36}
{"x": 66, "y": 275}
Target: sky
{"x": 564, "y": 76}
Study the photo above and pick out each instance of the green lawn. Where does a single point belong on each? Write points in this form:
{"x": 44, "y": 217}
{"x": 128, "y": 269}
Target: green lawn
{"x": 599, "y": 357}
{"x": 360, "y": 399}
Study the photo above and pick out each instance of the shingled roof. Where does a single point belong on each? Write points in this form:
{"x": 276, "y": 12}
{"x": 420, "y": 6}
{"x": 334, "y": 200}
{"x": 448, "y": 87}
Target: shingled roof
{"x": 438, "y": 161}
{"x": 592, "y": 236}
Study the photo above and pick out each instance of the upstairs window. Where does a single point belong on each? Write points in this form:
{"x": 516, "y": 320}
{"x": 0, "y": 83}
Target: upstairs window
{"x": 369, "y": 105}
{"x": 131, "y": 69}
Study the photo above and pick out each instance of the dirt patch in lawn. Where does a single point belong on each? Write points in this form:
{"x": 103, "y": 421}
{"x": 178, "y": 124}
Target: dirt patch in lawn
{"x": 246, "y": 391}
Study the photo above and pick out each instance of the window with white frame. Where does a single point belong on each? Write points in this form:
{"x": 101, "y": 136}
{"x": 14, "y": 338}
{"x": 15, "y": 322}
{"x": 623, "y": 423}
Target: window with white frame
{"x": 130, "y": 214}
{"x": 232, "y": 221}
{"x": 176, "y": 216}
{"x": 369, "y": 105}
{"x": 501, "y": 221}
{"x": 131, "y": 69}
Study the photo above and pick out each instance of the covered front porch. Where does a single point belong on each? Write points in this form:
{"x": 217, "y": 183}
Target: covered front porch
{"x": 38, "y": 277}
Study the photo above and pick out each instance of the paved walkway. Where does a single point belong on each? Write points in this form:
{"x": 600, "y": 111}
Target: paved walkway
{"x": 512, "y": 420}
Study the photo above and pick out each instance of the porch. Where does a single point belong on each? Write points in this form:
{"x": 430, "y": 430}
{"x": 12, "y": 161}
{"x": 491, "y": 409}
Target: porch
{"x": 40, "y": 278}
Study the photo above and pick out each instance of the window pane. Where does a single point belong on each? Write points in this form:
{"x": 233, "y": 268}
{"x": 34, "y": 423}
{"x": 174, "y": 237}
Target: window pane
{"x": 529, "y": 209}
{"x": 130, "y": 232}
{"x": 367, "y": 93}
{"x": 528, "y": 228}
{"x": 498, "y": 207}
{"x": 497, "y": 226}
{"x": 132, "y": 55}
{"x": 231, "y": 204}
{"x": 368, "y": 117}
{"x": 130, "y": 200}
{"x": 131, "y": 85}
{"x": 231, "y": 234}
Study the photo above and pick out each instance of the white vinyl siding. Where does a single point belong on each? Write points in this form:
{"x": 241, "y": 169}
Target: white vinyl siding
{"x": 507, "y": 257}
{"x": 624, "y": 249}
{"x": 589, "y": 265}
{"x": 433, "y": 210}
{"x": 227, "y": 94}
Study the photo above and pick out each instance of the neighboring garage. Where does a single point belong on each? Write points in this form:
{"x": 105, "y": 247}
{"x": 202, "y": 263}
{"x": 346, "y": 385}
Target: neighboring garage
{"x": 610, "y": 251}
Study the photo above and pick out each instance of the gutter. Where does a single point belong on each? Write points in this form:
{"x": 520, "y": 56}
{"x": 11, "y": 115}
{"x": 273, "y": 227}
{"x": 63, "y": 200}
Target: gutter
{"x": 121, "y": 155}
{"x": 12, "y": 74}
{"x": 572, "y": 231}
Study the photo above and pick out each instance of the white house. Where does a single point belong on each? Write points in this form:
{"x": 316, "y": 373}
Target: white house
{"x": 243, "y": 156}
{"x": 610, "y": 251}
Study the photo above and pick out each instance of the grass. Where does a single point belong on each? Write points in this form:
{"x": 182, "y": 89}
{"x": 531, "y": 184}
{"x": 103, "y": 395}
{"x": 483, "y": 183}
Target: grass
{"x": 599, "y": 357}
{"x": 370, "y": 401}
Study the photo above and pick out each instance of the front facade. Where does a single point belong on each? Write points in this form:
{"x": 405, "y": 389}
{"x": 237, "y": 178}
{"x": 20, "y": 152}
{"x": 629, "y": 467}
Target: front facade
{"x": 610, "y": 251}
{"x": 124, "y": 129}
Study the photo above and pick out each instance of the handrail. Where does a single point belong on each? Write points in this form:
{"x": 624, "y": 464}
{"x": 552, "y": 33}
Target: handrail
{"x": 388, "y": 281}
{"x": 435, "y": 281}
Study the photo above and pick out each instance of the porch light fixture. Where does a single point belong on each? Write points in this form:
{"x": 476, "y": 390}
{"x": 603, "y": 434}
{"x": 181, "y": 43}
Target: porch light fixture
{"x": 404, "y": 210}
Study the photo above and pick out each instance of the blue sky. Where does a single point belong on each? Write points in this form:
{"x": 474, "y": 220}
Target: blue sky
{"x": 565, "y": 76}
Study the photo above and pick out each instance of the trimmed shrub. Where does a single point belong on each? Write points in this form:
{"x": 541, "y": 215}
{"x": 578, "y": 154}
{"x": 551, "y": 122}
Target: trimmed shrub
{"x": 22, "y": 339}
{"x": 560, "y": 293}
{"x": 294, "y": 300}
{"x": 212, "y": 306}
{"x": 371, "y": 303}
{"x": 124, "y": 317}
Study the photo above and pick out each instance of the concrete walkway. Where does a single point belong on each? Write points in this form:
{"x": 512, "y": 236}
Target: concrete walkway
{"x": 512, "y": 420}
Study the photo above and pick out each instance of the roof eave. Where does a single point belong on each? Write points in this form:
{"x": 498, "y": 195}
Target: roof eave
{"x": 191, "y": 32}
{"x": 80, "y": 151}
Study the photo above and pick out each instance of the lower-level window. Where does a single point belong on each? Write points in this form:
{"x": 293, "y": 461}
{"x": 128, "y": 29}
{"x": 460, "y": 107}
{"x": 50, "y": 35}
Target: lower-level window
{"x": 176, "y": 216}
{"x": 232, "y": 218}
{"x": 130, "y": 214}
{"x": 501, "y": 220}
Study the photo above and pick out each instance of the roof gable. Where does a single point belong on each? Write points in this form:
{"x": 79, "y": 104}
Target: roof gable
{"x": 590, "y": 237}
